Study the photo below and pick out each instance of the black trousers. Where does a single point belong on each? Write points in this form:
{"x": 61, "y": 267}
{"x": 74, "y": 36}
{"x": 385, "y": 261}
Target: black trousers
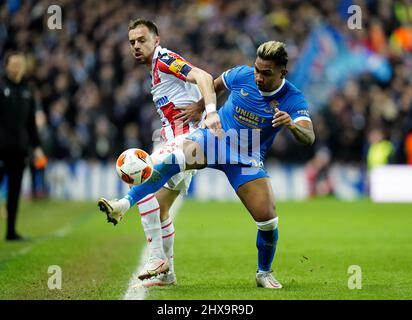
{"x": 12, "y": 163}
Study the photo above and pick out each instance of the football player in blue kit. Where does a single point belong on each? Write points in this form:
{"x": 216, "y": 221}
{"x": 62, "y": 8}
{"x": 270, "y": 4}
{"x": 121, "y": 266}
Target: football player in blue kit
{"x": 261, "y": 102}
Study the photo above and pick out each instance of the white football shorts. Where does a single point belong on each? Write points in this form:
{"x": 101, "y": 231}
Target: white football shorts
{"x": 180, "y": 181}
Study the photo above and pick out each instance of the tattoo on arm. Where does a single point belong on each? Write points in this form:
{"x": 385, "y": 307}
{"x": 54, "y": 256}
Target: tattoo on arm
{"x": 303, "y": 134}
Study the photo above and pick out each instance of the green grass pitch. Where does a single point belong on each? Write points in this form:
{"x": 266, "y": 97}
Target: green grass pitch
{"x": 215, "y": 254}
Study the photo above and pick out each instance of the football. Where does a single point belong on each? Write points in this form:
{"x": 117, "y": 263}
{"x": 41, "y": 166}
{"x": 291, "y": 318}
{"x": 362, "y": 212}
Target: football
{"x": 134, "y": 166}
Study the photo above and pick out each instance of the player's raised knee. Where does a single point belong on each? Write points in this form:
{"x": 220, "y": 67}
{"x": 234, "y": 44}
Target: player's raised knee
{"x": 194, "y": 156}
{"x": 265, "y": 212}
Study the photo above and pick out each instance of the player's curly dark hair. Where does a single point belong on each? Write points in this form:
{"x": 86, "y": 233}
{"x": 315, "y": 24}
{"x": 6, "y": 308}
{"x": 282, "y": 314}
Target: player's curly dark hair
{"x": 274, "y": 51}
{"x": 149, "y": 24}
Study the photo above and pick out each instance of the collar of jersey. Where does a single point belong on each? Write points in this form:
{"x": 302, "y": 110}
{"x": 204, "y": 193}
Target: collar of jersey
{"x": 272, "y": 93}
{"x": 155, "y": 55}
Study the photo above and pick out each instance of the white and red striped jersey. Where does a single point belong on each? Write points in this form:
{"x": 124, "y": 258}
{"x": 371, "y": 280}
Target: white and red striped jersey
{"x": 170, "y": 90}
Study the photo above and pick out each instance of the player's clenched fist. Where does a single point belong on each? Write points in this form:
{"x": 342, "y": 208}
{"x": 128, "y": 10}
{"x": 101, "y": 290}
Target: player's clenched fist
{"x": 282, "y": 118}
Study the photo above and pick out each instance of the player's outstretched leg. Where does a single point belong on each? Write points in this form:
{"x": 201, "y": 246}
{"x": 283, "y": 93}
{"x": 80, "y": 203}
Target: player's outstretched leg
{"x": 174, "y": 163}
{"x": 114, "y": 209}
{"x": 162, "y": 172}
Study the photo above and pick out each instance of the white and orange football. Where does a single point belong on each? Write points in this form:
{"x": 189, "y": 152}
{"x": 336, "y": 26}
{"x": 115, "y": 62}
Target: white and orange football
{"x": 134, "y": 166}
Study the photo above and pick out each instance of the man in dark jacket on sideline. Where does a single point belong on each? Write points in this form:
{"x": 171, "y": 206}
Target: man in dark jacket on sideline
{"x": 18, "y": 133}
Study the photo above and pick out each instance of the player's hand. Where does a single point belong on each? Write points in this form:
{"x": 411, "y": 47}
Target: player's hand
{"x": 191, "y": 113}
{"x": 212, "y": 121}
{"x": 282, "y": 118}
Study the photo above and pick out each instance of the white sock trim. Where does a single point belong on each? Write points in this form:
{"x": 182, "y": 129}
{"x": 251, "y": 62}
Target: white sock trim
{"x": 124, "y": 202}
{"x": 268, "y": 225}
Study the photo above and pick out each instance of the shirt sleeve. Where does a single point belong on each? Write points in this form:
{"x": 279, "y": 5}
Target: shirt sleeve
{"x": 174, "y": 64}
{"x": 229, "y": 77}
{"x": 300, "y": 110}
{"x": 31, "y": 125}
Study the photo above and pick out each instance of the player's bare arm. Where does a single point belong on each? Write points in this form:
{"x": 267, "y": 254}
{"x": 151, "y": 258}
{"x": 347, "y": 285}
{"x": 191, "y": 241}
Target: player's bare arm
{"x": 193, "y": 112}
{"x": 205, "y": 83}
{"x": 302, "y": 130}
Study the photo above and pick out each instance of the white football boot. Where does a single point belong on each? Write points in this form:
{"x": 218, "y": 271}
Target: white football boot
{"x": 153, "y": 267}
{"x": 266, "y": 280}
{"x": 114, "y": 209}
{"x": 164, "y": 279}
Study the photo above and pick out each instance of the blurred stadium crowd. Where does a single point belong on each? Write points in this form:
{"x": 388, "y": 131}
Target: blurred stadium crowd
{"x": 96, "y": 101}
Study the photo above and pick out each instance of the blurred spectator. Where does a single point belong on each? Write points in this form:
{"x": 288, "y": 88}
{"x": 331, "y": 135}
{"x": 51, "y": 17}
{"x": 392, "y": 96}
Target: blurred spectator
{"x": 317, "y": 173}
{"x": 39, "y": 188}
{"x": 408, "y": 148}
{"x": 380, "y": 149}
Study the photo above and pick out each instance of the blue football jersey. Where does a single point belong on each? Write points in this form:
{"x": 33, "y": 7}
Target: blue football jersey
{"x": 250, "y": 111}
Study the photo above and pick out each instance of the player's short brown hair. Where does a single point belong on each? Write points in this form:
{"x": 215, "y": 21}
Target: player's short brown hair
{"x": 274, "y": 51}
{"x": 149, "y": 24}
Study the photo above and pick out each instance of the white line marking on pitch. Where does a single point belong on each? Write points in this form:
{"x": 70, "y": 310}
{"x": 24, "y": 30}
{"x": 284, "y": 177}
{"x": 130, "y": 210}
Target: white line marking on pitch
{"x": 60, "y": 233}
{"x": 140, "y": 293}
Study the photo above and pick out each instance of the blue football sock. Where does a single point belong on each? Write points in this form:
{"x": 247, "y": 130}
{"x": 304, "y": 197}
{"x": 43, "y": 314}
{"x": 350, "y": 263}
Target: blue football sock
{"x": 162, "y": 172}
{"x": 266, "y": 244}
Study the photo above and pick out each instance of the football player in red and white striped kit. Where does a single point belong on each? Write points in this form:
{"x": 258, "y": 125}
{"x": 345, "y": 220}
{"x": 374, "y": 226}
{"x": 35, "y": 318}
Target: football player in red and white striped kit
{"x": 175, "y": 84}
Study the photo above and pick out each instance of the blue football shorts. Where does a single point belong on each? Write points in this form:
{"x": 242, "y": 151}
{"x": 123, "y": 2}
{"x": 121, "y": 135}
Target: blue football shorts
{"x": 223, "y": 154}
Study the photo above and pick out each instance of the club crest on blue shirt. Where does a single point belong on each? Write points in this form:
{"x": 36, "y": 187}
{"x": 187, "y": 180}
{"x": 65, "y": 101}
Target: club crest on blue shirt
{"x": 272, "y": 106}
{"x": 255, "y": 163}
